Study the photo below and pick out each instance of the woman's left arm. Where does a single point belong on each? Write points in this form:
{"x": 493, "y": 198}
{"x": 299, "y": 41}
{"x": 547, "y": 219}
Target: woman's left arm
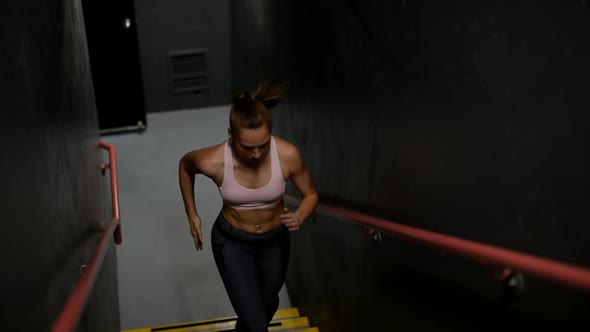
{"x": 302, "y": 180}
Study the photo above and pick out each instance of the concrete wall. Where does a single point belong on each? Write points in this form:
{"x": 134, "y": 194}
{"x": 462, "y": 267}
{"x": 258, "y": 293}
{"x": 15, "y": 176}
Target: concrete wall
{"x": 462, "y": 118}
{"x": 176, "y": 25}
{"x": 53, "y": 204}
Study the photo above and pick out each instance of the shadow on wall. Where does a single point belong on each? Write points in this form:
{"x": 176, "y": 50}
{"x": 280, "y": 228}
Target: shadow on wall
{"x": 458, "y": 118}
{"x": 344, "y": 280}
{"x": 481, "y": 136}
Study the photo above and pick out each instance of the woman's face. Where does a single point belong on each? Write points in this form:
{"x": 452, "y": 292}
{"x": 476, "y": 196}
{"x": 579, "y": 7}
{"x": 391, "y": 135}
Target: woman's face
{"x": 251, "y": 146}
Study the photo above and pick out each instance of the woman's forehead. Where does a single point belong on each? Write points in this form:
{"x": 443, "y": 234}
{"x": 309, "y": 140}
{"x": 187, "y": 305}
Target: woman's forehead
{"x": 254, "y": 137}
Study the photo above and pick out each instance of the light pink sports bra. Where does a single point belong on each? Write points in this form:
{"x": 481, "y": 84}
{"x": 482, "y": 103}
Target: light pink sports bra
{"x": 241, "y": 198}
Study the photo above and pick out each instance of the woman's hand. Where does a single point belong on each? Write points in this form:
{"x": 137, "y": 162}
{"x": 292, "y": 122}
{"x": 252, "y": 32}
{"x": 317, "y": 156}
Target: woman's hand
{"x": 290, "y": 220}
{"x": 195, "y": 224}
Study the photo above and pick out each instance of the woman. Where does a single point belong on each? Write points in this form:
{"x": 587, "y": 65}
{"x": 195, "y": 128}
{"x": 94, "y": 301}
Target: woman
{"x": 250, "y": 238}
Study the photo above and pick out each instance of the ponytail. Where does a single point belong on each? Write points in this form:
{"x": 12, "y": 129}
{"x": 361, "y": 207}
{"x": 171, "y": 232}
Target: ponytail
{"x": 270, "y": 95}
{"x": 242, "y": 100}
{"x": 251, "y": 110}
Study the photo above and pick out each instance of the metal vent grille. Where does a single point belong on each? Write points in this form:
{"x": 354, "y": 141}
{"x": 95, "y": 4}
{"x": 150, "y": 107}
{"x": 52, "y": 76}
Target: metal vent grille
{"x": 188, "y": 71}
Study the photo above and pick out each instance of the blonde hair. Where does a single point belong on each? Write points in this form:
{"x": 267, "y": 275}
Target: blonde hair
{"x": 252, "y": 110}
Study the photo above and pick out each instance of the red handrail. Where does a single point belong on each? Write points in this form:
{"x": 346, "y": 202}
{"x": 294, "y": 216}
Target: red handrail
{"x": 114, "y": 185}
{"x": 551, "y": 270}
{"x": 70, "y": 315}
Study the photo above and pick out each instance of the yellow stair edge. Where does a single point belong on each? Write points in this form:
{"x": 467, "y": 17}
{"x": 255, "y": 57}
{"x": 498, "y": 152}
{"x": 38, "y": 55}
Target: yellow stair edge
{"x": 288, "y": 323}
{"x": 275, "y": 325}
{"x": 288, "y": 317}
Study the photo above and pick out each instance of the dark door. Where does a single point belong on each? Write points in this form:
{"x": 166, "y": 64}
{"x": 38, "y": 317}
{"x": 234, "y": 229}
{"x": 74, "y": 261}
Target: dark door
{"x": 114, "y": 58}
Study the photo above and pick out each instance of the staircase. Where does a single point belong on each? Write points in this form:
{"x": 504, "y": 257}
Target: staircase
{"x": 284, "y": 320}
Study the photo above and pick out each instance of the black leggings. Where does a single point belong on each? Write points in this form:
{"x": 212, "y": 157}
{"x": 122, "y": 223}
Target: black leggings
{"x": 253, "y": 268}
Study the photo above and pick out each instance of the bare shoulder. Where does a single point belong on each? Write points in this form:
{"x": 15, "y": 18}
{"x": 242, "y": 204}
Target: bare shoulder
{"x": 287, "y": 150}
{"x": 291, "y": 159}
{"x": 207, "y": 161}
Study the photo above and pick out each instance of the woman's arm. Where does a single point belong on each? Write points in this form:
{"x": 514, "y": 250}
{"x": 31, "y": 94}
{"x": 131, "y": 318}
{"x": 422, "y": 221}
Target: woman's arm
{"x": 187, "y": 168}
{"x": 299, "y": 175}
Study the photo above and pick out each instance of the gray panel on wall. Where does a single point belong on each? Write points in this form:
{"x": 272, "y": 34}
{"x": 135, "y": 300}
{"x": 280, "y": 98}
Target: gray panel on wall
{"x": 176, "y": 26}
{"x": 52, "y": 196}
{"x": 466, "y": 118}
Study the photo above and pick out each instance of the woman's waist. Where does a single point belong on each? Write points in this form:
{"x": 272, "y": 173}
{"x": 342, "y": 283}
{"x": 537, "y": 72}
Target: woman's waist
{"x": 254, "y": 221}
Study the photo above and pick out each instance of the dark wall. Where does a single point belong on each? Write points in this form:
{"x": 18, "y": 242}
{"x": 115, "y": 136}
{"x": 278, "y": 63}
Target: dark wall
{"x": 463, "y": 118}
{"x": 178, "y": 25}
{"x": 52, "y": 186}
{"x": 345, "y": 281}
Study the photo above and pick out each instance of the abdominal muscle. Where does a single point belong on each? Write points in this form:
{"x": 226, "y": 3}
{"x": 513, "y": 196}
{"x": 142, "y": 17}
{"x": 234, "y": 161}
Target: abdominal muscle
{"x": 246, "y": 220}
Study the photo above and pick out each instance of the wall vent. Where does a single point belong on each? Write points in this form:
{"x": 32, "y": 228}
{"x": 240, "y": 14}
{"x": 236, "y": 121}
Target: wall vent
{"x": 188, "y": 71}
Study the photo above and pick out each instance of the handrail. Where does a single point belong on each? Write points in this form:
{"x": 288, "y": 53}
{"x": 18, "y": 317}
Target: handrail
{"x": 551, "y": 270}
{"x": 114, "y": 185}
{"x": 70, "y": 314}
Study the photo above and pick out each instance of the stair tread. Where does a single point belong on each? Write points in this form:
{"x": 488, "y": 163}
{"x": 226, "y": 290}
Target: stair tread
{"x": 284, "y": 319}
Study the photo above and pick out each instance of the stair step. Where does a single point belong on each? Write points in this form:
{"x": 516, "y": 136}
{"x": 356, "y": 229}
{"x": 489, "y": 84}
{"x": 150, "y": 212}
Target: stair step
{"x": 288, "y": 324}
{"x": 283, "y": 320}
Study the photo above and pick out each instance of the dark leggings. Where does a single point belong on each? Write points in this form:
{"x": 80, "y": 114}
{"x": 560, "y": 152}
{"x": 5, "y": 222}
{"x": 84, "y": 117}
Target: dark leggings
{"x": 253, "y": 269}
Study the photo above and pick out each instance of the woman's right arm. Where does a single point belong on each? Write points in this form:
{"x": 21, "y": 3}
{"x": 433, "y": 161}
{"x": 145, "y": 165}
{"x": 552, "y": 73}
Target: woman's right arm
{"x": 189, "y": 165}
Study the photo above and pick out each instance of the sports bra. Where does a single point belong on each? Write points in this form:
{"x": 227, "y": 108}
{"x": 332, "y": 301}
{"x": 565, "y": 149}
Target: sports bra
{"x": 240, "y": 198}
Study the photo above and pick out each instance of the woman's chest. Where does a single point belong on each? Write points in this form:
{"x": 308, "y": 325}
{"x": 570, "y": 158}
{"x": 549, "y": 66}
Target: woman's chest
{"x": 253, "y": 178}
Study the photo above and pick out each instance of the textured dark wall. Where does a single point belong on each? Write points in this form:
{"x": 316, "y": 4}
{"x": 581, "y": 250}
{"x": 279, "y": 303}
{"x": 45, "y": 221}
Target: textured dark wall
{"x": 344, "y": 281}
{"x": 53, "y": 190}
{"x": 176, "y": 25}
{"x": 463, "y": 118}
